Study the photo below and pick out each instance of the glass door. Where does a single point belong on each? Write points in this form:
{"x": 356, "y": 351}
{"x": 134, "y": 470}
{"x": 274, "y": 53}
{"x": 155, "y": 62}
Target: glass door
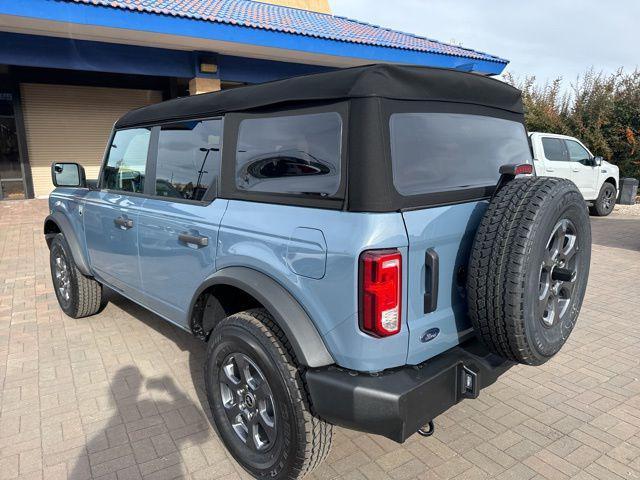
{"x": 11, "y": 175}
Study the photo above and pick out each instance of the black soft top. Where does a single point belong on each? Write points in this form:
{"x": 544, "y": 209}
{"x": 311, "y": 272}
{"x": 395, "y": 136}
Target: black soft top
{"x": 395, "y": 82}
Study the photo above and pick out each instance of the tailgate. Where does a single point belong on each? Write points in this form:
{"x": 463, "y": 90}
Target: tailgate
{"x": 447, "y": 234}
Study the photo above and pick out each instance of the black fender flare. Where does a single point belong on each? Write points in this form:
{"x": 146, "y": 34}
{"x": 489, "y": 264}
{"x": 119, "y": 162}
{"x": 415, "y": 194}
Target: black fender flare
{"x": 294, "y": 321}
{"x": 65, "y": 227}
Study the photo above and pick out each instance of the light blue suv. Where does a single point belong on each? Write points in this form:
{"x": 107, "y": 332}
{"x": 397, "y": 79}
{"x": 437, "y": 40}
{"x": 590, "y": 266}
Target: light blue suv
{"x": 364, "y": 248}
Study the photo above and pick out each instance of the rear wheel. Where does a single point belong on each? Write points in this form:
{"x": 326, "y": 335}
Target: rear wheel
{"x": 258, "y": 400}
{"x": 529, "y": 268}
{"x": 78, "y": 295}
{"x": 605, "y": 202}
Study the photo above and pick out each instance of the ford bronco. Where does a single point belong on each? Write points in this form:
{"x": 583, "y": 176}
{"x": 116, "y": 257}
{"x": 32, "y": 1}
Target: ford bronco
{"x": 363, "y": 247}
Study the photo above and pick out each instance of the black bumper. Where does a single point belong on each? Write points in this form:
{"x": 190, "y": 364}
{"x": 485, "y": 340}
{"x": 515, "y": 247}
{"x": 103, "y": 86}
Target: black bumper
{"x": 396, "y": 403}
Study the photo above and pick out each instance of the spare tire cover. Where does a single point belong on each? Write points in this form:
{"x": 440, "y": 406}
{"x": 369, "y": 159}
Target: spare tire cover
{"x": 529, "y": 267}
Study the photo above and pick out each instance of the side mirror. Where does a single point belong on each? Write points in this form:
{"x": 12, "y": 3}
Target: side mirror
{"x": 68, "y": 175}
{"x": 597, "y": 161}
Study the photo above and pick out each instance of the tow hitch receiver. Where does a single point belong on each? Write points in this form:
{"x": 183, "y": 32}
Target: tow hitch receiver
{"x": 469, "y": 383}
{"x": 428, "y": 430}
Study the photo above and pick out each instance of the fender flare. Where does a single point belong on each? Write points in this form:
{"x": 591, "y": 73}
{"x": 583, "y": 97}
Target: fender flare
{"x": 65, "y": 227}
{"x": 294, "y": 321}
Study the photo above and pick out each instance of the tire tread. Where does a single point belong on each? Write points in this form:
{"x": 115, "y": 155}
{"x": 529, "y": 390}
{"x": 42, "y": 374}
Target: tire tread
{"x": 498, "y": 262}
{"x": 86, "y": 290}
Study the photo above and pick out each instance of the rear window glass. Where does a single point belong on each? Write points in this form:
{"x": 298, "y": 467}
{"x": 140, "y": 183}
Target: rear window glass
{"x": 290, "y": 154}
{"x": 438, "y": 152}
{"x": 188, "y": 159}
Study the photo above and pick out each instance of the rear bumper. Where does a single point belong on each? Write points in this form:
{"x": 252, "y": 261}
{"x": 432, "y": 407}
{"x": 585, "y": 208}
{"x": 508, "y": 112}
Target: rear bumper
{"x": 396, "y": 403}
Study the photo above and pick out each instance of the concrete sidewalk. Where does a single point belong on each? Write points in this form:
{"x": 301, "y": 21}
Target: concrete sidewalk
{"x": 120, "y": 396}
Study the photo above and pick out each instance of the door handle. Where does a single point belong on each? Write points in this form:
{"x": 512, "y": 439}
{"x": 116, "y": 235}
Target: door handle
{"x": 549, "y": 169}
{"x": 198, "y": 240}
{"x": 575, "y": 169}
{"x": 124, "y": 223}
{"x": 431, "y": 278}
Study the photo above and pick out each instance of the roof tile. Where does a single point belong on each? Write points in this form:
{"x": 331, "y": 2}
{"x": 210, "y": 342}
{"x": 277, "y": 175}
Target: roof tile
{"x": 266, "y": 16}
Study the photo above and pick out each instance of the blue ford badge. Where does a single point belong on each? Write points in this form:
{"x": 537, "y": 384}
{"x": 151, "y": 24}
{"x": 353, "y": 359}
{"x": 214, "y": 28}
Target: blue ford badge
{"x": 429, "y": 335}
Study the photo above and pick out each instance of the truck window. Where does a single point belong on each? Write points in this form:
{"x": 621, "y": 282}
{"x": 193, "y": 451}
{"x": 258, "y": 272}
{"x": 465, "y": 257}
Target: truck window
{"x": 127, "y": 160}
{"x": 290, "y": 154}
{"x": 438, "y": 152}
{"x": 554, "y": 149}
{"x": 577, "y": 152}
{"x": 188, "y": 158}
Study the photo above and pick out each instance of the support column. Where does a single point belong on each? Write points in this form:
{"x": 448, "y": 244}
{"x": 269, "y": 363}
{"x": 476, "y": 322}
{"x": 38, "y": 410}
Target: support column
{"x": 199, "y": 85}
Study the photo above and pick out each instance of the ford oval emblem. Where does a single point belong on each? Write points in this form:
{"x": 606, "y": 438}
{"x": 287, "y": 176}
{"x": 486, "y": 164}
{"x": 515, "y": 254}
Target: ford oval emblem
{"x": 429, "y": 335}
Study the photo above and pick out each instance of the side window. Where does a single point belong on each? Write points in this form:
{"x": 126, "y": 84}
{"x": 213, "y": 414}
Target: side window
{"x": 290, "y": 154}
{"x": 577, "y": 152}
{"x": 188, "y": 158}
{"x": 554, "y": 149}
{"x": 127, "y": 160}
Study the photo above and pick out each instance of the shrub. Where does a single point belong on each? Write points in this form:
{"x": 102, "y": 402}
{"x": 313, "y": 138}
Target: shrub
{"x": 603, "y": 111}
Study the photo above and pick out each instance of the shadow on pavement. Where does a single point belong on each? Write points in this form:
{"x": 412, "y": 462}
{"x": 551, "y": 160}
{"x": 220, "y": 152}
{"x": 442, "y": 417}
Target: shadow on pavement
{"x": 136, "y": 411}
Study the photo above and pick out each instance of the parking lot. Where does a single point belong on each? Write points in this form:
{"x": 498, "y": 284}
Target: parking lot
{"x": 120, "y": 395}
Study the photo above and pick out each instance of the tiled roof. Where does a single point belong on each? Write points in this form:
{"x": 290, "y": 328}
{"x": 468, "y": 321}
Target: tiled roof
{"x": 265, "y": 16}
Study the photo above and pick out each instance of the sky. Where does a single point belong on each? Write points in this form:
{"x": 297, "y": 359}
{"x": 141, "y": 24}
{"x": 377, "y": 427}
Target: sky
{"x": 544, "y": 38}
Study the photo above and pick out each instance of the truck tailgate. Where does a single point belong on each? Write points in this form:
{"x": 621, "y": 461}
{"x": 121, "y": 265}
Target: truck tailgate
{"x": 440, "y": 240}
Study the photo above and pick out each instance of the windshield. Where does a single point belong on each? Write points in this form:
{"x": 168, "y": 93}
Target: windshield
{"x": 438, "y": 152}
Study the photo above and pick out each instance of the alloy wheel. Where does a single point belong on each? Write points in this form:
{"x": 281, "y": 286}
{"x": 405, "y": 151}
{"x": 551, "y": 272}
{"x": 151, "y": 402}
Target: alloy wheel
{"x": 63, "y": 278}
{"x": 607, "y": 200}
{"x": 248, "y": 402}
{"x": 558, "y": 273}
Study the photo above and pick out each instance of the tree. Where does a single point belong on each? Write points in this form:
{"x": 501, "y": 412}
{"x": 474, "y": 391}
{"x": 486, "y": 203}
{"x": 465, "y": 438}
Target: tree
{"x": 601, "y": 110}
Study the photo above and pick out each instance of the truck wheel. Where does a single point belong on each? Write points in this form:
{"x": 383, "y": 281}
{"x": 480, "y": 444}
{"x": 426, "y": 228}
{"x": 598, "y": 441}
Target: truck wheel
{"x": 258, "y": 399}
{"x": 605, "y": 202}
{"x": 78, "y": 295}
{"x": 529, "y": 267}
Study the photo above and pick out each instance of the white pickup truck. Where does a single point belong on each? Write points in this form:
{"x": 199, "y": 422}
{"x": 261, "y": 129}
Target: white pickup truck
{"x": 566, "y": 157}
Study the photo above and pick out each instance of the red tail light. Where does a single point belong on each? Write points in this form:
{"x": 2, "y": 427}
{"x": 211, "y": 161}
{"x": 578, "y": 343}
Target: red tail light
{"x": 380, "y": 292}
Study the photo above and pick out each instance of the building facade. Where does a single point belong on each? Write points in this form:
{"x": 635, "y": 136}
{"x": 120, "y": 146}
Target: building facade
{"x": 70, "y": 68}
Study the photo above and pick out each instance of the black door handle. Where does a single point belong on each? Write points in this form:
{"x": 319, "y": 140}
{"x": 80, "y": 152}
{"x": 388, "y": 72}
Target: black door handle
{"x": 124, "y": 223}
{"x": 199, "y": 240}
{"x": 431, "y": 274}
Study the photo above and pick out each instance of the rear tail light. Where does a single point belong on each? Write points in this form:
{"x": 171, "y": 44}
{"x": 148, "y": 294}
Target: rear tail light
{"x": 380, "y": 292}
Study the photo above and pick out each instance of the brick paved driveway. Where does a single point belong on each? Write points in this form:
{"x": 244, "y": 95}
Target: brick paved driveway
{"x": 119, "y": 395}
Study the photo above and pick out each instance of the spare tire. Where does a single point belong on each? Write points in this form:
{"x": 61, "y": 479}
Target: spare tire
{"x": 529, "y": 268}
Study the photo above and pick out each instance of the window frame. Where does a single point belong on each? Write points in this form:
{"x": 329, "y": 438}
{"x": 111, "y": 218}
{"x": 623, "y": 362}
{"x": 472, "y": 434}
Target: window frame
{"x": 565, "y": 150}
{"x": 152, "y": 157}
{"x": 231, "y": 132}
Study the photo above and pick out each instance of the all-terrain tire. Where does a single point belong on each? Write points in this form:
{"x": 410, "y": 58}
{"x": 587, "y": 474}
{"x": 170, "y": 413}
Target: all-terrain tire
{"x": 302, "y": 440}
{"x": 605, "y": 202}
{"x": 531, "y": 227}
{"x": 81, "y": 296}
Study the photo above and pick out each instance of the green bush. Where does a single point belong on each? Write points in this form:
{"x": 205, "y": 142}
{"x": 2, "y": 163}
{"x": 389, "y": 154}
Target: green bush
{"x": 603, "y": 111}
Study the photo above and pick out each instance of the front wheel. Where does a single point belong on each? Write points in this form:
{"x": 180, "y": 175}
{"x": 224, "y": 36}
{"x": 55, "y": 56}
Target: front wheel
{"x": 78, "y": 295}
{"x": 258, "y": 401}
{"x": 605, "y": 202}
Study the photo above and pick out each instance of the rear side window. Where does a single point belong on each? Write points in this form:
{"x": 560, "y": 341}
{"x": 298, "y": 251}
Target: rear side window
{"x": 553, "y": 149}
{"x": 298, "y": 154}
{"x": 188, "y": 158}
{"x": 127, "y": 160}
{"x": 439, "y": 152}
